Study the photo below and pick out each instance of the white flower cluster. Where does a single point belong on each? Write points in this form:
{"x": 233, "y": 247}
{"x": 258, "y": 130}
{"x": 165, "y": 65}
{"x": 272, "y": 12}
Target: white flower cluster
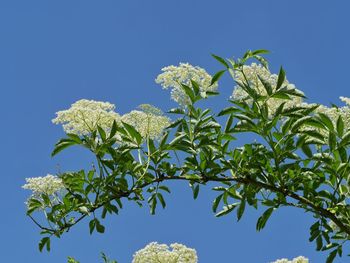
{"x": 345, "y": 99}
{"x": 149, "y": 121}
{"x": 49, "y": 185}
{"x": 173, "y": 76}
{"x": 300, "y": 259}
{"x": 84, "y": 116}
{"x": 333, "y": 113}
{"x": 160, "y": 253}
{"x": 250, "y": 74}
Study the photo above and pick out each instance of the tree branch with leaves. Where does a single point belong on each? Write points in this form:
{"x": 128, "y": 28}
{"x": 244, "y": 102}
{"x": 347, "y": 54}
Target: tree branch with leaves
{"x": 298, "y": 157}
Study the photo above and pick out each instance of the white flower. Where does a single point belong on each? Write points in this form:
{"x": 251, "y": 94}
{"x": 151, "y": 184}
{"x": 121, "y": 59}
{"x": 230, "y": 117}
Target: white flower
{"x": 346, "y": 100}
{"x": 160, "y": 253}
{"x": 173, "y": 76}
{"x": 84, "y": 116}
{"x": 148, "y": 121}
{"x": 282, "y": 260}
{"x": 299, "y": 259}
{"x": 49, "y": 185}
{"x": 333, "y": 113}
{"x": 250, "y": 75}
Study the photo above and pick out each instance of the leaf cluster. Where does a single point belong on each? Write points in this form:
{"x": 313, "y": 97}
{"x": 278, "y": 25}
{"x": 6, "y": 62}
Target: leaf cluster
{"x": 285, "y": 166}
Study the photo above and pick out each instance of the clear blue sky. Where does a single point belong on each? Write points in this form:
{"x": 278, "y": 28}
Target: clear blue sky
{"x": 53, "y": 53}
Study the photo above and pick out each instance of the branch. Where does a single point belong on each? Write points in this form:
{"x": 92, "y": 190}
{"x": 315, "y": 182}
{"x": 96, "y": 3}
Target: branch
{"x": 243, "y": 180}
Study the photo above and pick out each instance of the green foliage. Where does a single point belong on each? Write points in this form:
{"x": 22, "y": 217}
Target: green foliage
{"x": 107, "y": 260}
{"x": 72, "y": 260}
{"x": 299, "y": 159}
{"x": 44, "y": 242}
{"x": 103, "y": 256}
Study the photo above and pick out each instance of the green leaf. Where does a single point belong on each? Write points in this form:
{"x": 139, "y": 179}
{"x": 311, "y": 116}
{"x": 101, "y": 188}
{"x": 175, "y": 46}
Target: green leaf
{"x": 177, "y": 111}
{"x": 266, "y": 85}
{"x": 329, "y": 246}
{"x": 340, "y": 250}
{"x": 177, "y": 139}
{"x": 106, "y": 259}
{"x": 263, "y": 219}
{"x": 113, "y": 129}
{"x": 331, "y": 256}
{"x": 133, "y": 132}
{"x": 193, "y": 177}
{"x": 195, "y": 87}
{"x": 315, "y": 226}
{"x": 221, "y": 60}
{"x": 251, "y": 92}
{"x": 175, "y": 123}
{"x": 74, "y": 137}
{"x": 319, "y": 243}
{"x": 164, "y": 188}
{"x": 46, "y": 199}
{"x": 61, "y": 146}
{"x": 72, "y": 260}
{"x": 307, "y": 150}
{"x": 281, "y": 78}
{"x": 92, "y": 225}
{"x": 161, "y": 200}
{"x": 227, "y": 209}
{"x": 315, "y": 123}
{"x": 306, "y": 120}
{"x": 280, "y": 94}
{"x": 102, "y": 133}
{"x": 189, "y": 92}
{"x": 314, "y": 134}
{"x": 228, "y": 110}
{"x": 44, "y": 242}
{"x": 285, "y": 126}
{"x": 100, "y": 228}
{"x": 33, "y": 204}
{"x": 211, "y": 93}
{"x": 217, "y": 76}
{"x": 260, "y": 51}
{"x": 314, "y": 234}
{"x": 343, "y": 154}
{"x": 228, "y": 124}
{"x": 345, "y": 139}
{"x": 153, "y": 205}
{"x": 195, "y": 190}
{"x": 279, "y": 110}
{"x": 293, "y": 92}
{"x": 326, "y": 121}
{"x": 332, "y": 141}
{"x": 216, "y": 203}
{"x": 241, "y": 209}
{"x": 247, "y": 54}
{"x": 340, "y": 126}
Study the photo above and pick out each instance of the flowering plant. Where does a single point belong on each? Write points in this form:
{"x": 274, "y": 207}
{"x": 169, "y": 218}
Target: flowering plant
{"x": 300, "y": 157}
{"x": 295, "y": 260}
{"x": 160, "y": 253}
{"x": 155, "y": 252}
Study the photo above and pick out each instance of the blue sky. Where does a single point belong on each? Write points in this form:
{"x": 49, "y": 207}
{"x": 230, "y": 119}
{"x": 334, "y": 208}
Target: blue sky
{"x": 53, "y": 53}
